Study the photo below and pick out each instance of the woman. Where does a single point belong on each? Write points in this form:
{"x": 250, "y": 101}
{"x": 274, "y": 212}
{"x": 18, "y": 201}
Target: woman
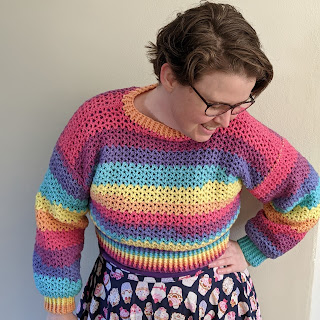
{"x": 160, "y": 170}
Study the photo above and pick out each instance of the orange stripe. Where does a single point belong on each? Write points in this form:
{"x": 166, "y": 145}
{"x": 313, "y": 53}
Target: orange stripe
{"x": 45, "y": 222}
{"x": 302, "y": 225}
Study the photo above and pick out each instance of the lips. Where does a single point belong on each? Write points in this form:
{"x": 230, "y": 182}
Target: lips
{"x": 208, "y": 127}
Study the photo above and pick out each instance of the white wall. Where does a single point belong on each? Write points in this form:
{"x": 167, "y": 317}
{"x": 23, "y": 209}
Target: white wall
{"x": 56, "y": 54}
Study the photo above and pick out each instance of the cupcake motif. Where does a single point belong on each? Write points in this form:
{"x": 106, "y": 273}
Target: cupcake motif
{"x": 214, "y": 296}
{"x": 148, "y": 310}
{"x": 216, "y": 275}
{"x": 175, "y": 297}
{"x": 188, "y": 281}
{"x": 99, "y": 317}
{"x": 222, "y": 308}
{"x": 118, "y": 274}
{"x": 149, "y": 280}
{"x": 202, "y": 309}
{"x": 209, "y": 316}
{"x": 234, "y": 297}
{"x": 242, "y": 308}
{"x": 161, "y": 314}
{"x": 158, "y": 292}
{"x": 126, "y": 292}
{"x": 106, "y": 281}
{"x": 204, "y": 284}
{"x": 114, "y": 297}
{"x": 191, "y": 302}
{"x": 253, "y": 303}
{"x": 230, "y": 315}
{"x": 100, "y": 291}
{"x": 177, "y": 316}
{"x": 135, "y": 312}
{"x": 227, "y": 285}
{"x": 142, "y": 290}
{"x": 114, "y": 316}
{"x": 94, "y": 305}
{"x": 133, "y": 277}
{"x": 124, "y": 314}
{"x": 167, "y": 280}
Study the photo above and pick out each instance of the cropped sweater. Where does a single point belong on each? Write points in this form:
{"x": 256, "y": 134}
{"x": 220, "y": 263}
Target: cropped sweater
{"x": 161, "y": 202}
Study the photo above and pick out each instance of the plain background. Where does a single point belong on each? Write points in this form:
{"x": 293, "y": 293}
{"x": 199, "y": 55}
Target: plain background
{"x": 57, "y": 54}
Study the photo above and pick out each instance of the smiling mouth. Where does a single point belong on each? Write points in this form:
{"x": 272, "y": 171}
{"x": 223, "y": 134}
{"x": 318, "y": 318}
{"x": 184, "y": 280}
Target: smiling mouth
{"x": 209, "y": 128}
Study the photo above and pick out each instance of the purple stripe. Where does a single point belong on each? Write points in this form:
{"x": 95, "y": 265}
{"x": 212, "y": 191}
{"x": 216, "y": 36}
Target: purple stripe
{"x": 66, "y": 256}
{"x": 71, "y": 273}
{"x": 175, "y": 233}
{"x": 306, "y": 181}
{"x": 262, "y": 242}
{"x": 189, "y": 148}
{"x": 60, "y": 172}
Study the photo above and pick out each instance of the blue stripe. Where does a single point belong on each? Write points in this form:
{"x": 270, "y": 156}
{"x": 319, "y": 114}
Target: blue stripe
{"x": 53, "y": 287}
{"x": 52, "y": 190}
{"x": 152, "y": 175}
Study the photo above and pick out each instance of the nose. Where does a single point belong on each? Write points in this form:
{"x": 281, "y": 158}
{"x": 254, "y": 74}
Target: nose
{"x": 223, "y": 119}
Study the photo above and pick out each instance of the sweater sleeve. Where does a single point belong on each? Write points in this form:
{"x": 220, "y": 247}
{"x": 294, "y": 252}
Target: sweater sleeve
{"x": 60, "y": 208}
{"x": 290, "y": 193}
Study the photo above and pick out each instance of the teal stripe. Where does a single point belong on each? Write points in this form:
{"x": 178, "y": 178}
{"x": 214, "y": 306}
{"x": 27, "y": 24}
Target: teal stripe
{"x": 52, "y": 190}
{"x": 251, "y": 252}
{"x": 57, "y": 287}
{"x": 152, "y": 175}
{"x": 309, "y": 201}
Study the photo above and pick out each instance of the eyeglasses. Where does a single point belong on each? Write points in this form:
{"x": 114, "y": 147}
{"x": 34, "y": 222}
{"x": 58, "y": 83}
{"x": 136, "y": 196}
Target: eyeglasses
{"x": 217, "y": 108}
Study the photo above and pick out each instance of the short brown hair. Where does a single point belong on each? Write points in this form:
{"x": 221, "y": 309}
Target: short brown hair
{"x": 210, "y": 37}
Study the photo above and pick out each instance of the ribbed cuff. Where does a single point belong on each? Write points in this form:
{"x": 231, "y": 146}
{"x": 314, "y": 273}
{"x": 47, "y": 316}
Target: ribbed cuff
{"x": 59, "y": 305}
{"x": 251, "y": 252}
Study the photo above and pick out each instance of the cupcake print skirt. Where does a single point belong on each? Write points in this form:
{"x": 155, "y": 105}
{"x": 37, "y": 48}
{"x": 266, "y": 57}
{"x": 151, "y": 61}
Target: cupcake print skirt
{"x": 112, "y": 293}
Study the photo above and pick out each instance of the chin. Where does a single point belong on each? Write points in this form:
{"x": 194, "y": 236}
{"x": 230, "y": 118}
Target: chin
{"x": 201, "y": 138}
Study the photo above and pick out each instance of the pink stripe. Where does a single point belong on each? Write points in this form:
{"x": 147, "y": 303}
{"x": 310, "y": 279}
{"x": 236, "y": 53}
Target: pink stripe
{"x": 58, "y": 240}
{"x": 163, "y": 220}
{"x": 279, "y": 172}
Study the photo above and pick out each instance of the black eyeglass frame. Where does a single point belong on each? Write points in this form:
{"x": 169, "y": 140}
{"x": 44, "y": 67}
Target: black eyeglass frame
{"x": 231, "y": 107}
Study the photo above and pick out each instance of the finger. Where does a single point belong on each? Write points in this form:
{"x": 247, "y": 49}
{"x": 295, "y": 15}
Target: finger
{"x": 219, "y": 262}
{"x": 226, "y": 270}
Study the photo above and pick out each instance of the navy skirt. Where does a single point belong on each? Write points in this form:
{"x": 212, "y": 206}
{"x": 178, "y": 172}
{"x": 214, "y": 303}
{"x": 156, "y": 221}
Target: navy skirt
{"x": 116, "y": 294}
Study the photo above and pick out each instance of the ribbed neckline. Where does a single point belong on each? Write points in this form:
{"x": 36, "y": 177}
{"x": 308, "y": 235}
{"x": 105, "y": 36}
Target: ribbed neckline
{"x": 144, "y": 121}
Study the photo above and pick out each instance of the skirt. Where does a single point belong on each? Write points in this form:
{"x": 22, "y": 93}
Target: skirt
{"x": 112, "y": 293}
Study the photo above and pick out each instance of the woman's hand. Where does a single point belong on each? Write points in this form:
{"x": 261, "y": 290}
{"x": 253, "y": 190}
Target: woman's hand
{"x": 67, "y": 316}
{"x": 232, "y": 260}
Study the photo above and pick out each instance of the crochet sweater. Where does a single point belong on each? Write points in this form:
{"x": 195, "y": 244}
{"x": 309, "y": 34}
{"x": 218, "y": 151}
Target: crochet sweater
{"x": 160, "y": 201}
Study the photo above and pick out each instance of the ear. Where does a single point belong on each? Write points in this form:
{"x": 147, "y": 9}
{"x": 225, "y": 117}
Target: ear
{"x": 167, "y": 77}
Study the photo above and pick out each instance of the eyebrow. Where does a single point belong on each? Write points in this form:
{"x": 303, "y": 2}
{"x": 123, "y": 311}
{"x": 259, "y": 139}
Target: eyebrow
{"x": 229, "y": 104}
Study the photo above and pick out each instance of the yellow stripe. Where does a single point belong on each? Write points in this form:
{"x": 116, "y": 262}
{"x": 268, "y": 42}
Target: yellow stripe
{"x": 134, "y": 256}
{"x": 218, "y": 191}
{"x": 119, "y": 203}
{"x": 58, "y": 212}
{"x": 300, "y": 219}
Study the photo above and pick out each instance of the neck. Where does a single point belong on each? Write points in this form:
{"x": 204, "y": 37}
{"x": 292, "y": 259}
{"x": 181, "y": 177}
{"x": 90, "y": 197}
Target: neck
{"x": 155, "y": 104}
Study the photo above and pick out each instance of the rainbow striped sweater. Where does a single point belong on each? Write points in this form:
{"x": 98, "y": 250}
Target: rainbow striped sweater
{"x": 160, "y": 201}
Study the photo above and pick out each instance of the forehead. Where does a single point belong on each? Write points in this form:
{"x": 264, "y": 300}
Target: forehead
{"x": 225, "y": 87}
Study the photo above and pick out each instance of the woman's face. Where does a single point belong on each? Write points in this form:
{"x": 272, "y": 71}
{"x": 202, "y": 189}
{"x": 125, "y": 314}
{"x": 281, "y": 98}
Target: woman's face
{"x": 188, "y": 110}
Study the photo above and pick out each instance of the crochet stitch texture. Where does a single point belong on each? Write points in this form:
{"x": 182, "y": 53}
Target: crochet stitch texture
{"x": 160, "y": 201}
